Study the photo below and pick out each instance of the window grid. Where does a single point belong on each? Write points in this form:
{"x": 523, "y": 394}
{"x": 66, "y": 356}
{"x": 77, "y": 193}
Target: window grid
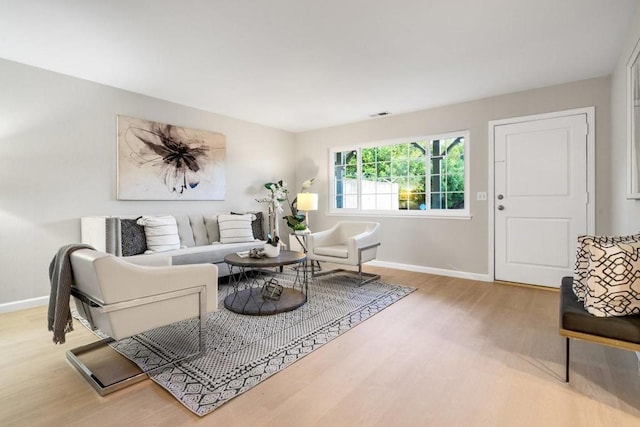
{"x": 424, "y": 175}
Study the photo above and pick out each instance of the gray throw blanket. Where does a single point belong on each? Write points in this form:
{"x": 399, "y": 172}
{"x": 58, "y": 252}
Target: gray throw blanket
{"x": 61, "y": 277}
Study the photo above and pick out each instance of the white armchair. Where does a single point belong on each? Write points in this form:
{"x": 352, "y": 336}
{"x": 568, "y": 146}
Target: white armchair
{"x": 122, "y": 299}
{"x": 347, "y": 243}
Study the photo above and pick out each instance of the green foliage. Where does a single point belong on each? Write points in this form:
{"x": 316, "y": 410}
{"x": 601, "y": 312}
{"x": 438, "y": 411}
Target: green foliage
{"x": 278, "y": 189}
{"x": 413, "y": 166}
{"x": 455, "y": 177}
{"x": 294, "y": 220}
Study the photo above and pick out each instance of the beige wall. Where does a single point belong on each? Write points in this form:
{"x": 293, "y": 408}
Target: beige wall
{"x": 58, "y": 147}
{"x": 458, "y": 245}
{"x": 625, "y": 216}
{"x": 57, "y": 144}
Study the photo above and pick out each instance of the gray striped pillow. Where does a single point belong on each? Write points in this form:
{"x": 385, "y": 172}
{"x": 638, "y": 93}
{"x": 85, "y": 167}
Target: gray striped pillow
{"x": 236, "y": 228}
{"x": 161, "y": 233}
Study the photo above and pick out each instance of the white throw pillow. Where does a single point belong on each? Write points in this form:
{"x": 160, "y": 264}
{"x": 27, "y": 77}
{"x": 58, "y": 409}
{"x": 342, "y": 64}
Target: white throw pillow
{"x": 161, "y": 233}
{"x": 236, "y": 228}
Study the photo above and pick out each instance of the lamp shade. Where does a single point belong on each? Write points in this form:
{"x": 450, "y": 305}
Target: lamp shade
{"x": 307, "y": 202}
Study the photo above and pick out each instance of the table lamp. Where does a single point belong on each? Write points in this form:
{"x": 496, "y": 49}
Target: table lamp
{"x": 307, "y": 202}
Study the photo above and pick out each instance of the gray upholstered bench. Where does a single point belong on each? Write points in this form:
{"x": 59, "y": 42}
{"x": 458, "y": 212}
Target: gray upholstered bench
{"x": 576, "y": 322}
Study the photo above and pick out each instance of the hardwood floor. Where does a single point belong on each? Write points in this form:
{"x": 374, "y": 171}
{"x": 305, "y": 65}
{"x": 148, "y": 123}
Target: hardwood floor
{"x": 454, "y": 353}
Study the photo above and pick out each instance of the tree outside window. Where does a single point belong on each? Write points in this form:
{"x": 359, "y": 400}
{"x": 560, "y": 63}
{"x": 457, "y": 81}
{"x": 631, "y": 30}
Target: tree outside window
{"x": 427, "y": 174}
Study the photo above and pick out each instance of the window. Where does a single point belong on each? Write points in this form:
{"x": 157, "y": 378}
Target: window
{"x": 421, "y": 176}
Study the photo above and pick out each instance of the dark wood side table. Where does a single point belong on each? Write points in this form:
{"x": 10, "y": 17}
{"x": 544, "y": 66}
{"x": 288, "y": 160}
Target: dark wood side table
{"x": 249, "y": 275}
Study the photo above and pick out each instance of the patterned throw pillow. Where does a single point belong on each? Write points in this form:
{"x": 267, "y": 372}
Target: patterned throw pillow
{"x": 613, "y": 279}
{"x": 161, "y": 233}
{"x": 582, "y": 259}
{"x": 134, "y": 241}
{"x": 235, "y": 228}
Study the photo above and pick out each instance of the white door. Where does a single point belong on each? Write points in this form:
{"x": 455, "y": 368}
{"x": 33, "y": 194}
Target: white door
{"x": 541, "y": 198}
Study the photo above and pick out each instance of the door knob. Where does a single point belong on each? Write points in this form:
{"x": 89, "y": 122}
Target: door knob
{"x": 500, "y": 207}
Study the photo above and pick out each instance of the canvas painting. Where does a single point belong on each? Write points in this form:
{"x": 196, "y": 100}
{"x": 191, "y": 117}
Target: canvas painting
{"x": 157, "y": 161}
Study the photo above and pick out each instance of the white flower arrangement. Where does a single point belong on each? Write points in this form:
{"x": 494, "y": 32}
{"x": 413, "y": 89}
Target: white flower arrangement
{"x": 278, "y": 195}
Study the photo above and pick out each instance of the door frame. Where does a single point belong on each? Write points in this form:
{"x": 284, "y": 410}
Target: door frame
{"x": 591, "y": 171}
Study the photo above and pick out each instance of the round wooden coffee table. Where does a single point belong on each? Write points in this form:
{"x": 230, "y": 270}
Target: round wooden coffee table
{"x": 258, "y": 292}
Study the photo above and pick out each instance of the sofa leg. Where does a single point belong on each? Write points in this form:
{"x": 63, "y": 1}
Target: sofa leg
{"x": 566, "y": 362}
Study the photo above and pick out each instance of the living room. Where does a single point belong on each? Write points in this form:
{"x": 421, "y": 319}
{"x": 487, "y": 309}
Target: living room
{"x": 58, "y": 132}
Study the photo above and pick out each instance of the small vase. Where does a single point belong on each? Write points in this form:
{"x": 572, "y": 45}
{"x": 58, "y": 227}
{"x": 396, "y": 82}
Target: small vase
{"x": 271, "y": 251}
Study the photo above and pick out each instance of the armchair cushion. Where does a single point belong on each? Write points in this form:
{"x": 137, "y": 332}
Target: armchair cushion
{"x": 338, "y": 251}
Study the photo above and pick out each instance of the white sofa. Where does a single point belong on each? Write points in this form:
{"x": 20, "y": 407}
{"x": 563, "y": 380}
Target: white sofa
{"x": 199, "y": 241}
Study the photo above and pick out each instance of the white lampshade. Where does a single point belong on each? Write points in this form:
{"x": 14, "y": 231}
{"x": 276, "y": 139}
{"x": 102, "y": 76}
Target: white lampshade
{"x": 307, "y": 202}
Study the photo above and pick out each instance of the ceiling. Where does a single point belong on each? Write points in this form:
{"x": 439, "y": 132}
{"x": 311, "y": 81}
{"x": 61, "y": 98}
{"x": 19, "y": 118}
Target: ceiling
{"x": 299, "y": 65}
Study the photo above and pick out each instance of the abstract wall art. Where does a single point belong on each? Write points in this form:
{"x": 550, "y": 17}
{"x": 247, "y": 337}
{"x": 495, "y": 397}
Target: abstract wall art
{"x": 157, "y": 161}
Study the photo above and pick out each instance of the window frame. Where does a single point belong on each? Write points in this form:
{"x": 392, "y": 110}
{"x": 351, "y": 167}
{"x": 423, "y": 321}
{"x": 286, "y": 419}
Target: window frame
{"x": 434, "y": 213}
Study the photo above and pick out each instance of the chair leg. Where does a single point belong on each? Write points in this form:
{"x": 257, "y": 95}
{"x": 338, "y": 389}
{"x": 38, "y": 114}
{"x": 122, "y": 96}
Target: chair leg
{"x": 566, "y": 362}
{"x": 369, "y": 276}
{"x": 124, "y": 378}
{"x": 363, "y": 277}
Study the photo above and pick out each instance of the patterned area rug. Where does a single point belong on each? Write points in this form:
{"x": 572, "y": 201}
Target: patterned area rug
{"x": 244, "y": 350}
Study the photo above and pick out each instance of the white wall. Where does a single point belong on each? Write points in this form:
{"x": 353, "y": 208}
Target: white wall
{"x": 58, "y": 140}
{"x": 429, "y": 244}
{"x": 625, "y": 217}
{"x": 58, "y": 152}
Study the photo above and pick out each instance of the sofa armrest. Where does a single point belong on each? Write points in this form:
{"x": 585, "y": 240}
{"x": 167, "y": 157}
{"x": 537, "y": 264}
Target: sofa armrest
{"x": 103, "y": 233}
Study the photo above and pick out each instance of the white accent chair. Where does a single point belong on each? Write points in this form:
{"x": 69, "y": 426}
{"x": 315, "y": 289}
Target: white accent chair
{"x": 347, "y": 243}
{"x": 122, "y": 299}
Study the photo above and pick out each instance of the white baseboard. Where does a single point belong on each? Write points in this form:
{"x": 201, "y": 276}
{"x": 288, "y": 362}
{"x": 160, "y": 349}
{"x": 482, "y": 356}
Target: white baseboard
{"x": 24, "y": 304}
{"x": 431, "y": 270}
